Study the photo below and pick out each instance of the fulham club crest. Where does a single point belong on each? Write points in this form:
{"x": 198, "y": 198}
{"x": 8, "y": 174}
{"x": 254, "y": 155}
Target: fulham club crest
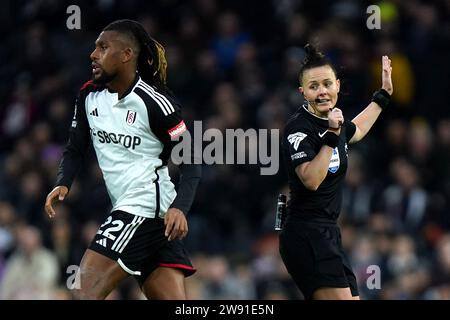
{"x": 131, "y": 117}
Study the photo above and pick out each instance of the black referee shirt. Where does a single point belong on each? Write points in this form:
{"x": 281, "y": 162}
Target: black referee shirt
{"x": 301, "y": 142}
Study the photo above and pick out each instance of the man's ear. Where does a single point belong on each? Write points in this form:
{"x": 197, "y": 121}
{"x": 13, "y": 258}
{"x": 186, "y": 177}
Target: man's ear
{"x": 300, "y": 89}
{"x": 128, "y": 54}
{"x": 338, "y": 85}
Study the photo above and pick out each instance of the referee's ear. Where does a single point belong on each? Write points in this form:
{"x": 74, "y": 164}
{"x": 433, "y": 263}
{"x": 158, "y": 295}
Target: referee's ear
{"x": 300, "y": 89}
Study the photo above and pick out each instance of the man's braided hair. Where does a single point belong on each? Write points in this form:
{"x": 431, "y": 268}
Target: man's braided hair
{"x": 151, "y": 63}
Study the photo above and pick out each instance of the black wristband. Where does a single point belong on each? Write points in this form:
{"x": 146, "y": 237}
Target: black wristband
{"x": 330, "y": 139}
{"x": 382, "y": 98}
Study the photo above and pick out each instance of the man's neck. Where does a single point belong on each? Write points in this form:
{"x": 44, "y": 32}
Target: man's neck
{"x": 122, "y": 83}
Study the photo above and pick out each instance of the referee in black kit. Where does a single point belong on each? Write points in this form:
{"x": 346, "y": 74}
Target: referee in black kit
{"x": 315, "y": 144}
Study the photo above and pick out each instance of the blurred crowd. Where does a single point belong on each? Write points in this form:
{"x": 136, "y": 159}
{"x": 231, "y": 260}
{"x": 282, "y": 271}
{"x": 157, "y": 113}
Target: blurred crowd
{"x": 234, "y": 64}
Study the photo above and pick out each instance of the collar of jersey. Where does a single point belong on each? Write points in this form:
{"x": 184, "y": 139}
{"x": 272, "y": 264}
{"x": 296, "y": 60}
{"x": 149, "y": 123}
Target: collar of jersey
{"x": 130, "y": 88}
{"x": 136, "y": 79}
{"x": 316, "y": 116}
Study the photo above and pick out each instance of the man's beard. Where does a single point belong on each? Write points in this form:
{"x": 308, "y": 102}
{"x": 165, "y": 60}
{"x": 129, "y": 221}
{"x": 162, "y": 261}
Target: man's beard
{"x": 103, "y": 79}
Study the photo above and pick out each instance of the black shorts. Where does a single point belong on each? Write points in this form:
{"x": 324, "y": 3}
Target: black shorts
{"x": 139, "y": 245}
{"x": 314, "y": 257}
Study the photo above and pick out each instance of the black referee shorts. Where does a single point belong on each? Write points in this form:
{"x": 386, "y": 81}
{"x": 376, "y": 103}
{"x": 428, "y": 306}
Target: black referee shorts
{"x": 139, "y": 245}
{"x": 314, "y": 257}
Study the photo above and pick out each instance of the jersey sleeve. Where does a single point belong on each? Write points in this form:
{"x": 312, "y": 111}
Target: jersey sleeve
{"x": 167, "y": 123}
{"x": 350, "y": 129}
{"x": 76, "y": 148}
{"x": 167, "y": 128}
{"x": 165, "y": 120}
{"x": 298, "y": 145}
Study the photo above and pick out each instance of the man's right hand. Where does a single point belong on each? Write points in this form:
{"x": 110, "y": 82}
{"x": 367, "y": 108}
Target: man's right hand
{"x": 59, "y": 193}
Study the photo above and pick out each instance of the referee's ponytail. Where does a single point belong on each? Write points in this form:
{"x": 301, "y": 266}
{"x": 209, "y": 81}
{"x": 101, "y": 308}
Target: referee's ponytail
{"x": 151, "y": 63}
{"x": 313, "y": 59}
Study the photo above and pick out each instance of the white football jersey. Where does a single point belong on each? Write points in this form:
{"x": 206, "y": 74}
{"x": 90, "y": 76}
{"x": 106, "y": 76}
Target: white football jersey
{"x": 132, "y": 140}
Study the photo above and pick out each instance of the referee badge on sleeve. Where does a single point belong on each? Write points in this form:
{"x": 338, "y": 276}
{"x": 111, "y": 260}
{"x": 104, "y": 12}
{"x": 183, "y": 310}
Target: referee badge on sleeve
{"x": 296, "y": 138}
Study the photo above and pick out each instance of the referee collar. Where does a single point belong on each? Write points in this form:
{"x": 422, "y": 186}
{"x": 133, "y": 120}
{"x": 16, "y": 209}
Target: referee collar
{"x": 319, "y": 120}
{"x": 314, "y": 115}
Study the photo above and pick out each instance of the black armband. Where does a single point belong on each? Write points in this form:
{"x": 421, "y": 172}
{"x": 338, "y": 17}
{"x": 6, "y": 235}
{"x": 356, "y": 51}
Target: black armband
{"x": 382, "y": 98}
{"x": 330, "y": 139}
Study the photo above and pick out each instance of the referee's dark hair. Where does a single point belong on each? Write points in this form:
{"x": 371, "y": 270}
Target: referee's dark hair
{"x": 313, "y": 59}
{"x": 151, "y": 61}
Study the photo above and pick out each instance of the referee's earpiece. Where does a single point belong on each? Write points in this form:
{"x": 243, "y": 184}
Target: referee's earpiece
{"x": 311, "y": 103}
{"x": 303, "y": 95}
{"x": 308, "y": 102}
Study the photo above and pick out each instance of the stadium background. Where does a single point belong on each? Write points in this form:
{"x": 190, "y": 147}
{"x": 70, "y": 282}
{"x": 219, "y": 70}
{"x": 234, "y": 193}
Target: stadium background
{"x": 234, "y": 64}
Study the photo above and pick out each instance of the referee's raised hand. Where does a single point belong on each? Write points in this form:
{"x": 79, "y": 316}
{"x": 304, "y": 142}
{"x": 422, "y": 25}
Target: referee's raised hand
{"x": 386, "y": 76}
{"x": 58, "y": 193}
{"x": 176, "y": 224}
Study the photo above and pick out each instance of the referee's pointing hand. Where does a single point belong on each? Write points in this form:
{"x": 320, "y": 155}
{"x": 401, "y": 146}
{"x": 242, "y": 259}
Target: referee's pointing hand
{"x": 176, "y": 224}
